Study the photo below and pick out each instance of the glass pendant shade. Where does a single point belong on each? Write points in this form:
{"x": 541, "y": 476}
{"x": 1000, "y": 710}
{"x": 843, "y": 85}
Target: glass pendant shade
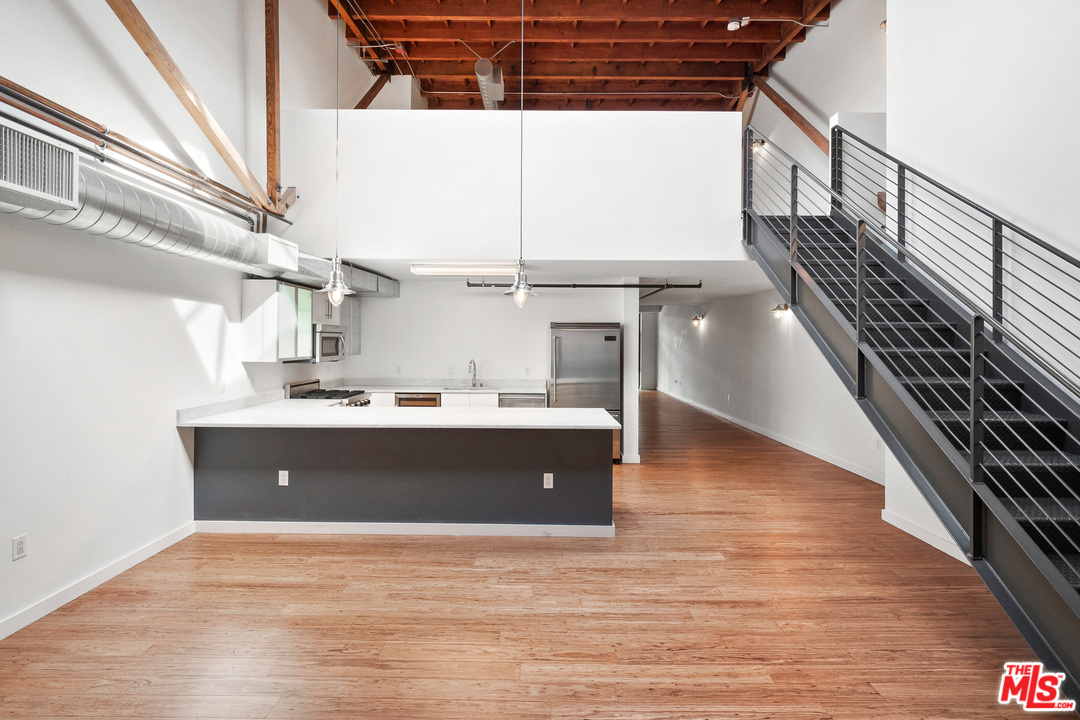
{"x": 521, "y": 289}
{"x": 336, "y": 289}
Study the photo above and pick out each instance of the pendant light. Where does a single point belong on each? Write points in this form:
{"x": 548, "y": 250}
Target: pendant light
{"x": 336, "y": 289}
{"x": 521, "y": 290}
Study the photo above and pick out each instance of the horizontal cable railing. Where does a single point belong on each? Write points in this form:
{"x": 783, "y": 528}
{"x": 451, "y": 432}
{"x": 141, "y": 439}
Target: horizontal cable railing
{"x": 1022, "y": 283}
{"x": 861, "y": 246}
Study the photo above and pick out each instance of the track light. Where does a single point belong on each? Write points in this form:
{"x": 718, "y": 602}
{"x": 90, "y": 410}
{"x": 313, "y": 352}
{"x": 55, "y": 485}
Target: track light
{"x": 736, "y": 23}
{"x": 780, "y": 310}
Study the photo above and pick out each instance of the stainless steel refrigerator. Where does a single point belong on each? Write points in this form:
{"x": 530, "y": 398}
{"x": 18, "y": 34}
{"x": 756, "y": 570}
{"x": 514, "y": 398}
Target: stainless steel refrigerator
{"x": 586, "y": 370}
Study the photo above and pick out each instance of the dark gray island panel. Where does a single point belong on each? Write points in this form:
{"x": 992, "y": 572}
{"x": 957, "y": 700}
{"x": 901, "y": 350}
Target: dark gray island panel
{"x": 404, "y": 475}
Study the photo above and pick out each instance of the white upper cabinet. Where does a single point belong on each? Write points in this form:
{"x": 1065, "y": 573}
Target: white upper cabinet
{"x": 276, "y": 323}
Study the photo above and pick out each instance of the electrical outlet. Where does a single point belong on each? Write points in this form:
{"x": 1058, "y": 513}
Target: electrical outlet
{"x": 877, "y": 443}
{"x": 398, "y": 371}
{"x": 223, "y": 390}
{"x": 729, "y": 397}
{"x": 549, "y": 481}
{"x": 283, "y": 478}
{"x": 18, "y": 548}
{"x": 528, "y": 371}
{"x": 451, "y": 371}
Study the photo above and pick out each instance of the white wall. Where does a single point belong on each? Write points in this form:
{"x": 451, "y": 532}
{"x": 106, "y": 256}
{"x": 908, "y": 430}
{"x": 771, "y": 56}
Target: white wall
{"x": 650, "y": 328}
{"x": 103, "y": 342}
{"x": 839, "y": 68}
{"x": 444, "y": 186}
{"x": 779, "y": 383}
{"x": 994, "y": 130}
{"x": 437, "y": 326}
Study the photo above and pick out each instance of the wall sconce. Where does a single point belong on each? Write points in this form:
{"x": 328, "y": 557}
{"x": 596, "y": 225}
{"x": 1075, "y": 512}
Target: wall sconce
{"x": 780, "y": 310}
{"x": 757, "y": 144}
{"x": 697, "y": 320}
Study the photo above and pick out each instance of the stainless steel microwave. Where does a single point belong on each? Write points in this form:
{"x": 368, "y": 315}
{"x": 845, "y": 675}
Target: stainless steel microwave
{"x": 329, "y": 343}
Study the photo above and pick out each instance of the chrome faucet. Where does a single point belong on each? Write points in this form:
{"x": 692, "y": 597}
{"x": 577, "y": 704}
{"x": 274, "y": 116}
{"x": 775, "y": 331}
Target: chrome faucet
{"x": 472, "y": 369}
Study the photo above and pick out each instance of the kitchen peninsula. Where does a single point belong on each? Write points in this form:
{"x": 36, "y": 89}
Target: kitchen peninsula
{"x": 467, "y": 470}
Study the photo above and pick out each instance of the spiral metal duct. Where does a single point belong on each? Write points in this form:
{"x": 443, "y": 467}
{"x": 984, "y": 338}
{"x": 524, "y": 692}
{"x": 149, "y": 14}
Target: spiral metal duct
{"x": 113, "y": 206}
{"x": 116, "y": 208}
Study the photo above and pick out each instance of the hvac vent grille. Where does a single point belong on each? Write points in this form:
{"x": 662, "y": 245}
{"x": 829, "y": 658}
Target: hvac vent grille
{"x": 36, "y": 171}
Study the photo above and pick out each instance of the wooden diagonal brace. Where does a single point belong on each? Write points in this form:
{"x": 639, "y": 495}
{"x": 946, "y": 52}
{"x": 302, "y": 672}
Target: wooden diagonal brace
{"x": 136, "y": 25}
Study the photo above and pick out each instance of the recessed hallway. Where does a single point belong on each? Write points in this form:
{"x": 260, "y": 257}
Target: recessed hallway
{"x": 746, "y": 580}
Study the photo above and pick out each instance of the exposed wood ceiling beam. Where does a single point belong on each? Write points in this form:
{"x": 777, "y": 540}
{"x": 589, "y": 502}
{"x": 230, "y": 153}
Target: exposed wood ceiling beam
{"x": 621, "y": 52}
{"x": 585, "y": 32}
{"x": 812, "y": 10}
{"x": 337, "y": 10}
{"x": 794, "y": 115}
{"x": 576, "y": 103}
{"x": 588, "y": 85}
{"x": 273, "y": 106}
{"x": 372, "y": 92}
{"x": 651, "y": 10}
{"x": 140, "y": 31}
{"x": 594, "y": 71}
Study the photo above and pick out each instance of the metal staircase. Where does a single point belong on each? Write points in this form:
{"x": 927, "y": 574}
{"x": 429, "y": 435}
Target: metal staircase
{"x": 958, "y": 333}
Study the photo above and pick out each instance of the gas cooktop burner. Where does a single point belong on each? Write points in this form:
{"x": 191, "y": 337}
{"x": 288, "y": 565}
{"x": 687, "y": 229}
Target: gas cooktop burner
{"x": 327, "y": 394}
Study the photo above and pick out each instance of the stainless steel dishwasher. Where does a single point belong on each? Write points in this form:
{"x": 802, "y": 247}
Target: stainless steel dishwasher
{"x": 529, "y": 400}
{"x": 418, "y": 399}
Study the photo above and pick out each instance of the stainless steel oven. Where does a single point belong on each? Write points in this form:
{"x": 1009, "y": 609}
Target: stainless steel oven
{"x": 329, "y": 343}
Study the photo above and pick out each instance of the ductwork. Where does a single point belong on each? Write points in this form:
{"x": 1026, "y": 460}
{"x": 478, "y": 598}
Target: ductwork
{"x": 115, "y": 207}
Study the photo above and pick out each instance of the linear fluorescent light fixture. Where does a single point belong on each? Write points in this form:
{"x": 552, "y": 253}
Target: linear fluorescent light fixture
{"x": 465, "y": 270}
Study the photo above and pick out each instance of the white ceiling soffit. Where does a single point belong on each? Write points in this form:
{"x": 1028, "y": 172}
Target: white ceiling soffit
{"x": 719, "y": 278}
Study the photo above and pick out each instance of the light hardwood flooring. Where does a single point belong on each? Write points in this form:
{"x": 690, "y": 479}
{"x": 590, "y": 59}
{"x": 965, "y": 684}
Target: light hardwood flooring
{"x": 746, "y": 580}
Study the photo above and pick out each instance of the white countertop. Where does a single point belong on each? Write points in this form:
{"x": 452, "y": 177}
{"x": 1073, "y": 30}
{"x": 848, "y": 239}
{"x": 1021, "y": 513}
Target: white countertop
{"x": 415, "y": 388}
{"x": 330, "y": 414}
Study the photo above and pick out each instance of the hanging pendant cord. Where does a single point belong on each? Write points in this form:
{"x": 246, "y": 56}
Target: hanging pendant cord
{"x": 521, "y": 147}
{"x": 337, "y": 137}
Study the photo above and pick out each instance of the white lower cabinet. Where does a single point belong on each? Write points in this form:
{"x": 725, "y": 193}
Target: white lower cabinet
{"x": 477, "y": 400}
{"x": 455, "y": 399}
{"x": 382, "y": 399}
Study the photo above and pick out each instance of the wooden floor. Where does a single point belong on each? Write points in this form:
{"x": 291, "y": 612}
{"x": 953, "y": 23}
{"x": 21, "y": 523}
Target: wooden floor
{"x": 746, "y": 580}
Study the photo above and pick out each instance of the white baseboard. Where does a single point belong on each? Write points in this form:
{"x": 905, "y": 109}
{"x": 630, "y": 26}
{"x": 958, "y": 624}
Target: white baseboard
{"x": 16, "y": 622}
{"x": 374, "y": 528}
{"x": 872, "y": 475}
{"x": 944, "y": 544}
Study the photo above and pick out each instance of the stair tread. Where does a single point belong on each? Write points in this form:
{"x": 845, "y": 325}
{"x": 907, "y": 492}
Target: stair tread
{"x": 1067, "y": 565}
{"x": 1043, "y": 509}
{"x": 1027, "y": 458}
{"x": 922, "y": 380}
{"x": 1000, "y": 416}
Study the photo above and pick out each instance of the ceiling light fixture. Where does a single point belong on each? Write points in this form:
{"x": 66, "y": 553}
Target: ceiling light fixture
{"x": 336, "y": 289}
{"x": 780, "y": 310}
{"x": 741, "y": 22}
{"x": 697, "y": 320}
{"x": 465, "y": 270}
{"x": 521, "y": 290}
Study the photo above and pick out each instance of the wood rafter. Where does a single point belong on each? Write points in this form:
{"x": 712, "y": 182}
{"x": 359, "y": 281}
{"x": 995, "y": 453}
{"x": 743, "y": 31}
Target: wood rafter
{"x": 141, "y": 32}
{"x": 677, "y": 54}
{"x": 794, "y": 115}
{"x": 372, "y": 92}
{"x": 273, "y": 105}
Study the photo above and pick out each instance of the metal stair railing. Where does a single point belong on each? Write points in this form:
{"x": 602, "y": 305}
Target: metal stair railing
{"x": 1000, "y": 433}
